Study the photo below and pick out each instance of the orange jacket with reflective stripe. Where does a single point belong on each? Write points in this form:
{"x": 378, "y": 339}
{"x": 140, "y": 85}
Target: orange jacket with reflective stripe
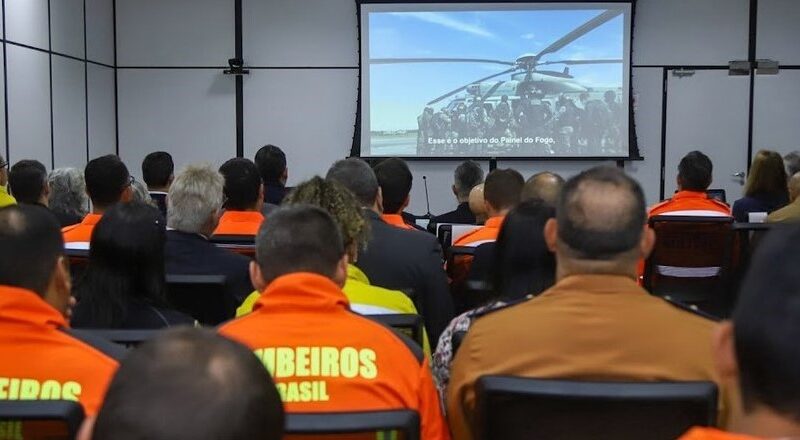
{"x": 486, "y": 234}
{"x": 239, "y": 223}
{"x": 691, "y": 203}
{"x": 82, "y": 232}
{"x": 325, "y": 358}
{"x": 40, "y": 361}
{"x": 396, "y": 220}
{"x": 713, "y": 434}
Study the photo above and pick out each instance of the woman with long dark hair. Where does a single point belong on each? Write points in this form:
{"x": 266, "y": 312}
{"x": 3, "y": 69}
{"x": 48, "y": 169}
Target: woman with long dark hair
{"x": 124, "y": 284}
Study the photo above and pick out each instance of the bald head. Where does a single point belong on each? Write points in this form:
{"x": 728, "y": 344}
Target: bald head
{"x": 476, "y": 202}
{"x": 545, "y": 186}
{"x": 794, "y": 187}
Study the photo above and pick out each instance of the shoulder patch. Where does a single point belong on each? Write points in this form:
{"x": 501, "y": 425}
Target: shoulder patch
{"x": 496, "y": 308}
{"x": 691, "y": 309}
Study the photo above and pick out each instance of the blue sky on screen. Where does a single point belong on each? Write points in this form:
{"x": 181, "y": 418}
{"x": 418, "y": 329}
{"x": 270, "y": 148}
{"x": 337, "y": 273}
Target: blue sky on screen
{"x": 399, "y": 91}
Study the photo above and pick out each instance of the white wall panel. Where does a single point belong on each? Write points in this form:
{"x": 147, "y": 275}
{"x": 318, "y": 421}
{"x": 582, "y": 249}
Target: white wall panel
{"x": 175, "y": 33}
{"x": 26, "y": 22}
{"x": 100, "y": 30}
{"x": 189, "y": 113}
{"x": 309, "y": 113}
{"x": 102, "y": 126}
{"x": 66, "y": 26}
{"x": 69, "y": 113}
{"x": 775, "y": 108}
{"x": 690, "y": 32}
{"x": 300, "y": 33}
{"x": 29, "y": 105}
{"x": 778, "y": 31}
{"x": 647, "y": 101}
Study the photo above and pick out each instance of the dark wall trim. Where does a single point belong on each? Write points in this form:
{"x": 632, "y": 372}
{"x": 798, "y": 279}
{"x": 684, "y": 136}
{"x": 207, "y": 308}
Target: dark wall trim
{"x": 664, "y": 79}
{"x": 172, "y": 67}
{"x": 50, "y": 64}
{"x": 752, "y": 58}
{"x": 239, "y": 81}
{"x": 52, "y": 52}
{"x": 86, "y": 79}
{"x": 5, "y": 81}
{"x": 116, "y": 78}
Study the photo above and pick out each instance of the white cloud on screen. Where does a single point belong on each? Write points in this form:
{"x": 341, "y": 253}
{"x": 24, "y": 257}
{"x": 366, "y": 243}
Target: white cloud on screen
{"x": 448, "y": 22}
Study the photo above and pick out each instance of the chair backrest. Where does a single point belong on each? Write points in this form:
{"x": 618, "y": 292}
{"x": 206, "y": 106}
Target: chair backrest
{"x": 40, "y": 419}
{"x": 409, "y": 324}
{"x": 691, "y": 260}
{"x": 324, "y": 425}
{"x": 78, "y": 261}
{"x": 128, "y": 338}
{"x": 747, "y": 237}
{"x": 448, "y": 233}
{"x": 521, "y": 408}
{"x": 459, "y": 262}
{"x": 240, "y": 244}
{"x": 202, "y": 297}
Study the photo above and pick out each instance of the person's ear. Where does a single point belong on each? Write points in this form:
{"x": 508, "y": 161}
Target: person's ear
{"x": 87, "y": 428}
{"x": 455, "y": 190}
{"x": 260, "y": 201}
{"x": 679, "y": 182}
{"x": 340, "y": 275}
{"x": 723, "y": 351}
{"x": 285, "y": 176}
{"x": 405, "y": 203}
{"x": 257, "y": 277}
{"x": 59, "y": 289}
{"x": 379, "y": 200}
{"x": 127, "y": 194}
{"x": 170, "y": 180}
{"x": 551, "y": 234}
{"x": 647, "y": 242}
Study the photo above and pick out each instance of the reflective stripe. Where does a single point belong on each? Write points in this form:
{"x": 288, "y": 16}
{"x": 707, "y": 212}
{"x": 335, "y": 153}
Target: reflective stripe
{"x": 696, "y": 213}
{"x": 77, "y": 245}
{"x": 369, "y": 309}
{"x": 688, "y": 272}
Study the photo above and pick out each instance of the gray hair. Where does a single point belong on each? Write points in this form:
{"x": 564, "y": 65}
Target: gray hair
{"x": 355, "y": 175}
{"x": 792, "y": 163}
{"x": 194, "y": 198}
{"x": 68, "y": 191}
{"x": 140, "y": 193}
{"x": 467, "y": 176}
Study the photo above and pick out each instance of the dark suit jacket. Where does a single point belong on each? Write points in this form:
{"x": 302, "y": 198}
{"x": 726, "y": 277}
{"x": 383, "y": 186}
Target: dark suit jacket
{"x": 138, "y": 316}
{"x": 274, "y": 193}
{"x": 192, "y": 254}
{"x": 161, "y": 201}
{"x": 401, "y": 259}
{"x": 462, "y": 215}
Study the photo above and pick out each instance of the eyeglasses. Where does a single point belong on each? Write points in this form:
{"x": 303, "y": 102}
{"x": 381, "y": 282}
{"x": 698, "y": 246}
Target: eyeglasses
{"x": 131, "y": 180}
{"x": 4, "y": 165}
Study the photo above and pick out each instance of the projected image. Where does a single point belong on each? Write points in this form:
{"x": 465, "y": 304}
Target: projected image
{"x": 546, "y": 82}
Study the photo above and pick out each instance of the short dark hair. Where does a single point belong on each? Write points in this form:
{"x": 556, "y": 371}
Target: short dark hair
{"x": 355, "y": 175}
{"x": 601, "y": 213}
{"x": 299, "y": 238}
{"x": 695, "y": 171}
{"x": 157, "y": 168}
{"x": 30, "y": 245}
{"x": 271, "y": 163}
{"x": 467, "y": 176}
{"x": 194, "y": 384}
{"x": 27, "y": 180}
{"x": 766, "y": 325}
{"x": 395, "y": 180}
{"x": 106, "y": 178}
{"x": 242, "y": 183}
{"x": 503, "y": 188}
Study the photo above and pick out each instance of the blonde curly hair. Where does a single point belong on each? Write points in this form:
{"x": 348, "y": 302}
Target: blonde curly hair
{"x": 340, "y": 203}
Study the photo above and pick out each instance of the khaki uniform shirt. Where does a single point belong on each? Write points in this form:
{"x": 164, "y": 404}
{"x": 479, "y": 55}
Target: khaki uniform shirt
{"x": 586, "y": 327}
{"x": 788, "y": 214}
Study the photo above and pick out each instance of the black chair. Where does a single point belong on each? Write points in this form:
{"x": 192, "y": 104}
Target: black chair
{"x": 40, "y": 419}
{"x": 445, "y": 233}
{"x": 405, "y": 422}
{"x": 747, "y": 237}
{"x": 240, "y": 244}
{"x": 533, "y": 409}
{"x": 459, "y": 263}
{"x": 78, "y": 261}
{"x": 409, "y": 324}
{"x": 691, "y": 261}
{"x": 128, "y": 338}
{"x": 202, "y": 297}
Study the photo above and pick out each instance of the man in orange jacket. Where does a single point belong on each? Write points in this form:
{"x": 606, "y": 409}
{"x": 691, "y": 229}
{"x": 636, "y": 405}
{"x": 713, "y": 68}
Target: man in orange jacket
{"x": 501, "y": 191}
{"x": 694, "y": 178}
{"x": 41, "y": 358}
{"x": 244, "y": 194}
{"x": 395, "y": 180}
{"x": 323, "y": 357}
{"x": 107, "y": 182}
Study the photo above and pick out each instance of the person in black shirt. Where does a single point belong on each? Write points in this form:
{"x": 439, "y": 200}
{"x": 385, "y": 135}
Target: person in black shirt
{"x": 467, "y": 176}
{"x": 158, "y": 172}
{"x": 271, "y": 163}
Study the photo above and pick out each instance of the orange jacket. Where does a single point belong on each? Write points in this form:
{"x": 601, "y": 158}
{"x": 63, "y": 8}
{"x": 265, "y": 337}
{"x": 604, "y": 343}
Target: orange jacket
{"x": 396, "y": 220}
{"x": 713, "y": 434}
{"x": 488, "y": 233}
{"x": 325, "y": 358}
{"x": 82, "y": 232}
{"x": 41, "y": 361}
{"x": 239, "y": 223}
{"x": 691, "y": 203}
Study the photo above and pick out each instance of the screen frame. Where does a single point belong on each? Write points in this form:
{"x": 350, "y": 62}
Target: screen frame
{"x": 633, "y": 146}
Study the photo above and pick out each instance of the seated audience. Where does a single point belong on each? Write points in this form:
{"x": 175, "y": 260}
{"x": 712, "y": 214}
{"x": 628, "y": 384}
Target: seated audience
{"x": 477, "y": 204}
{"x": 501, "y": 193}
{"x": 271, "y": 163}
{"x": 765, "y": 190}
{"x": 395, "y": 258}
{"x": 68, "y": 200}
{"x": 194, "y": 204}
{"x": 107, "y": 183}
{"x": 792, "y": 163}
{"x": 790, "y": 212}
{"x": 522, "y": 267}
{"x": 695, "y": 171}
{"x": 244, "y": 198}
{"x": 124, "y": 285}
{"x": 140, "y": 194}
{"x": 756, "y": 353}
{"x": 158, "y": 172}
{"x": 596, "y": 323}
{"x": 350, "y": 362}
{"x": 190, "y": 384}
{"x": 394, "y": 179}
{"x": 27, "y": 181}
{"x": 5, "y": 198}
{"x": 50, "y": 361}
{"x": 467, "y": 176}
{"x": 545, "y": 186}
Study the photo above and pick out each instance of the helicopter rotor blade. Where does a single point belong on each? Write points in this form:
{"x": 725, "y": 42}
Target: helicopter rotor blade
{"x": 553, "y": 73}
{"x": 579, "y": 62}
{"x": 446, "y": 95}
{"x": 437, "y": 60}
{"x": 580, "y": 31}
{"x": 492, "y": 90}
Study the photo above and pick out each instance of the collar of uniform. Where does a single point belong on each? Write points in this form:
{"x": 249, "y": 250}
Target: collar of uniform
{"x": 3, "y": 190}
{"x": 91, "y": 219}
{"x": 394, "y": 219}
{"x": 689, "y": 195}
{"x": 301, "y": 291}
{"x": 356, "y": 274}
{"x": 495, "y": 222}
{"x": 24, "y": 306}
{"x": 598, "y": 284}
{"x": 241, "y": 217}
